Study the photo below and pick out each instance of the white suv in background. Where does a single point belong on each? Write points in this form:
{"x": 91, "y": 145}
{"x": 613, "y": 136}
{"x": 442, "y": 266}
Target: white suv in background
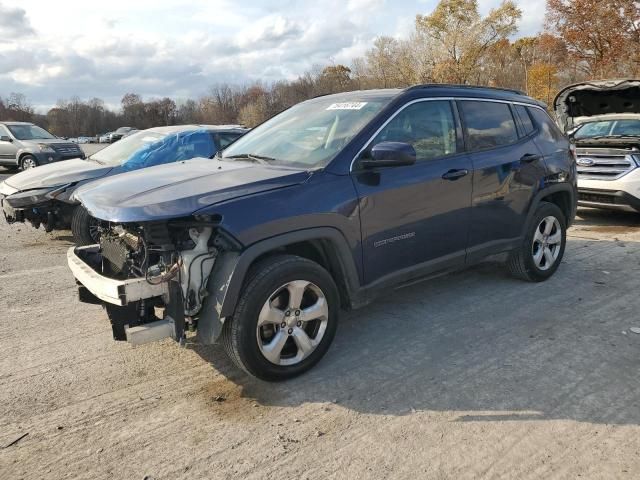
{"x": 603, "y": 119}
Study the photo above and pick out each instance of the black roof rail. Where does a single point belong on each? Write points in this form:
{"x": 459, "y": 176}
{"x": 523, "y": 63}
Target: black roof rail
{"x": 462, "y": 86}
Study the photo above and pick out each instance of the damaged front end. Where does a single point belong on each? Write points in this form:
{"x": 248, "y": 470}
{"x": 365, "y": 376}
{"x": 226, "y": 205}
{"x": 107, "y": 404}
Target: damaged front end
{"x": 48, "y": 207}
{"x": 157, "y": 279}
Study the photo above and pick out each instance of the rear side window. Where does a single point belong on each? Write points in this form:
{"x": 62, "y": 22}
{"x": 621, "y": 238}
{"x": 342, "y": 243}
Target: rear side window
{"x": 488, "y": 124}
{"x": 525, "y": 120}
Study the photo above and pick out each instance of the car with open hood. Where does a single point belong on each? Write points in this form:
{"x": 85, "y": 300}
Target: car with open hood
{"x": 43, "y": 196}
{"x": 325, "y": 206}
{"x": 603, "y": 119}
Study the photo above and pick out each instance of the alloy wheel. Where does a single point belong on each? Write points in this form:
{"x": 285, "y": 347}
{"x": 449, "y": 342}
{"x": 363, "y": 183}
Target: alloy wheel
{"x": 547, "y": 243}
{"x": 292, "y": 322}
{"x": 28, "y": 163}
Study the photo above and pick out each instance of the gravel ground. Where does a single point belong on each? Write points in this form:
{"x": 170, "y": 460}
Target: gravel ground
{"x": 473, "y": 375}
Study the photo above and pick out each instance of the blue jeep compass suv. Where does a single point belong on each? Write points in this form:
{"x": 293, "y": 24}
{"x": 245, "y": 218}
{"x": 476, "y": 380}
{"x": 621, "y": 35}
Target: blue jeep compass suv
{"x": 323, "y": 207}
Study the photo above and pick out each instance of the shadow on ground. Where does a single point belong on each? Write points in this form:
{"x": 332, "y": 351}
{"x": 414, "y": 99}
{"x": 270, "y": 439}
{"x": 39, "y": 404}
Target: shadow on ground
{"x": 602, "y": 220}
{"x": 485, "y": 346}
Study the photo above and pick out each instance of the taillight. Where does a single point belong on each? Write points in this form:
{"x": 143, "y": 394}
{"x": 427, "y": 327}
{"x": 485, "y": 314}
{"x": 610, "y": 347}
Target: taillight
{"x": 574, "y": 153}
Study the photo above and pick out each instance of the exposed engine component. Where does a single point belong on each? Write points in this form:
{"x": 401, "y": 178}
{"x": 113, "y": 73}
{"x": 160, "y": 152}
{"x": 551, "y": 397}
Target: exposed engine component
{"x": 123, "y": 253}
{"x": 152, "y": 254}
{"x": 195, "y": 267}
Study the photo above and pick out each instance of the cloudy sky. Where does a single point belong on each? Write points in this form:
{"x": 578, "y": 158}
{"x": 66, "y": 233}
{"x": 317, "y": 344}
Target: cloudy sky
{"x": 57, "y": 49}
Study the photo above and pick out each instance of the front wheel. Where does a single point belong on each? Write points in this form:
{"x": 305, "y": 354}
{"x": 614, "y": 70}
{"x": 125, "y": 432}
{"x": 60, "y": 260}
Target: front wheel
{"x": 27, "y": 162}
{"x": 541, "y": 252}
{"x": 285, "y": 320}
{"x": 84, "y": 227}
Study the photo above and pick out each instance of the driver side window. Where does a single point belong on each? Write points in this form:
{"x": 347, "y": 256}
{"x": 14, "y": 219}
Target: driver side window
{"x": 428, "y": 126}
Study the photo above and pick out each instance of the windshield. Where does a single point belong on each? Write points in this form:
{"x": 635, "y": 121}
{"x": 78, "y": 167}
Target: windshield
{"x": 608, "y": 128}
{"x": 147, "y": 149}
{"x": 29, "y": 132}
{"x": 308, "y": 135}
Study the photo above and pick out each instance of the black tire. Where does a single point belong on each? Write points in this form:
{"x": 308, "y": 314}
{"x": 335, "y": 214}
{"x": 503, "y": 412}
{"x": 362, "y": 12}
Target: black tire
{"x": 521, "y": 261}
{"x": 27, "y": 162}
{"x": 82, "y": 226}
{"x": 239, "y": 333}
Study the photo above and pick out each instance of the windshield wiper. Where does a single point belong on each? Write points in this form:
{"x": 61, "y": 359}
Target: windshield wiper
{"x": 263, "y": 160}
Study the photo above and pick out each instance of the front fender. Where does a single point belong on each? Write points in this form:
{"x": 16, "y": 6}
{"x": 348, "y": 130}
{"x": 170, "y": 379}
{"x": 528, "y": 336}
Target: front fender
{"x": 40, "y": 156}
{"x": 231, "y": 268}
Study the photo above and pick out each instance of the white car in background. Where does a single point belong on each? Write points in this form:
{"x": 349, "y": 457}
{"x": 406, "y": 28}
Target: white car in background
{"x": 603, "y": 120}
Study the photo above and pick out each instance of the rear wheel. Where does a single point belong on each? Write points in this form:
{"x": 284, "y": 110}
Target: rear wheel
{"x": 84, "y": 227}
{"x": 541, "y": 252}
{"x": 27, "y": 162}
{"x": 285, "y": 320}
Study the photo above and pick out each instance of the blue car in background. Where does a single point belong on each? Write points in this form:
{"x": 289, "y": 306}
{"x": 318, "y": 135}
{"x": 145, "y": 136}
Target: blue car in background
{"x": 43, "y": 196}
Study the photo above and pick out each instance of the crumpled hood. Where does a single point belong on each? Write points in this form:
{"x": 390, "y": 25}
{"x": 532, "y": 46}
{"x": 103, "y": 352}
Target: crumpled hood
{"x": 179, "y": 189}
{"x": 59, "y": 173}
{"x": 577, "y": 102}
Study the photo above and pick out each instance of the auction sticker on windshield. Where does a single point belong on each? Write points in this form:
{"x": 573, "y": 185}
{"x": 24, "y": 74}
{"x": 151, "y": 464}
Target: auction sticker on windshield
{"x": 347, "y": 106}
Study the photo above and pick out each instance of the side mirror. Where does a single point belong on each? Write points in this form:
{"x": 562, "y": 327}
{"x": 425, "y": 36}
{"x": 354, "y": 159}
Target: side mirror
{"x": 6, "y": 138}
{"x": 390, "y": 154}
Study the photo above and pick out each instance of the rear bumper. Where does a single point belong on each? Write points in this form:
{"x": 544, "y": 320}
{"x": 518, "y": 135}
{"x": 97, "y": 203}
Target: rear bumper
{"x": 115, "y": 292}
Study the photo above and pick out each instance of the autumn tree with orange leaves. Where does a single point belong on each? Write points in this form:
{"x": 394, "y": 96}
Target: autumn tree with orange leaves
{"x": 602, "y": 36}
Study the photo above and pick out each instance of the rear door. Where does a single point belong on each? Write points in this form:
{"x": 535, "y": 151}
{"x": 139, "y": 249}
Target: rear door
{"x": 414, "y": 219}
{"x": 507, "y": 166}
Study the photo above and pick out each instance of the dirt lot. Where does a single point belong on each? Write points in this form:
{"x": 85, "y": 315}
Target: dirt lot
{"x": 474, "y": 375}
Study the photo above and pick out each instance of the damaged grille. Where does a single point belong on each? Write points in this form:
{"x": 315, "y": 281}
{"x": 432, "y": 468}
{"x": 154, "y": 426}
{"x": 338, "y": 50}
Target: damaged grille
{"x": 605, "y": 163}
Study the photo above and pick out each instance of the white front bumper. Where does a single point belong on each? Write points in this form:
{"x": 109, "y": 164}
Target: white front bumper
{"x": 629, "y": 184}
{"x": 116, "y": 292}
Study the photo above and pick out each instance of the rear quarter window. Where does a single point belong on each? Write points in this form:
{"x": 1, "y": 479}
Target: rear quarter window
{"x": 548, "y": 129}
{"x": 488, "y": 124}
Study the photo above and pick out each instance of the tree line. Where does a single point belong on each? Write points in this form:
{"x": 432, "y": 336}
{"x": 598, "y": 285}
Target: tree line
{"x": 582, "y": 39}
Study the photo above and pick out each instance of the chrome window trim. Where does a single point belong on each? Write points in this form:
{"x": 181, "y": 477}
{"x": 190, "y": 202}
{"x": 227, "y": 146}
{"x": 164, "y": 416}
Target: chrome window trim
{"x": 433, "y": 99}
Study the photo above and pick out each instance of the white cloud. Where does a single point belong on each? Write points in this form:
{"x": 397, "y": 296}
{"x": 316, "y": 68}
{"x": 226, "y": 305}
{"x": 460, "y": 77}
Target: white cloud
{"x": 13, "y": 22}
{"x": 53, "y": 50}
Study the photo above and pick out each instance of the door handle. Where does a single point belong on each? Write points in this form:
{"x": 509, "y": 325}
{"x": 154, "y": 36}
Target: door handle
{"x": 454, "y": 175}
{"x": 530, "y": 157}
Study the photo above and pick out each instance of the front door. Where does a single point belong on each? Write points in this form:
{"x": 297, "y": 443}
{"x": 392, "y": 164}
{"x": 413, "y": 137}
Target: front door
{"x": 8, "y": 150}
{"x": 414, "y": 219}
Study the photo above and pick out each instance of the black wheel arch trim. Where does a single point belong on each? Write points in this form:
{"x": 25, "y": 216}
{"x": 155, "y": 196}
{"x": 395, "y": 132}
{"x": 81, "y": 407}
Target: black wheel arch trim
{"x": 336, "y": 241}
{"x": 550, "y": 190}
{"x": 231, "y": 270}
